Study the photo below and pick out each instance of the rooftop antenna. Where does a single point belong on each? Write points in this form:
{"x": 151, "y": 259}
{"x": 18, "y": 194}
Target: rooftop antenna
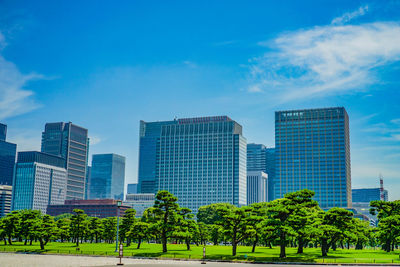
{"x": 381, "y": 187}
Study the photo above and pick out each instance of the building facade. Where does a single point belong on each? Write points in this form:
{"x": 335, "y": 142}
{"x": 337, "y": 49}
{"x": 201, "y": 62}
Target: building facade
{"x": 313, "y": 152}
{"x": 132, "y": 189}
{"x": 100, "y": 208}
{"x": 5, "y": 199}
{"x": 88, "y": 181}
{"x": 261, "y": 158}
{"x": 70, "y": 142}
{"x": 107, "y": 177}
{"x": 140, "y": 202}
{"x": 257, "y": 187}
{"x": 149, "y": 135}
{"x": 7, "y": 157}
{"x": 202, "y": 161}
{"x": 366, "y": 195}
{"x": 40, "y": 180}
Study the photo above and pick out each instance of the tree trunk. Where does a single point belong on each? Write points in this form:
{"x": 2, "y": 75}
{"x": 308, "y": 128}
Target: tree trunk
{"x": 164, "y": 241}
{"x": 187, "y": 243}
{"x": 234, "y": 246}
{"x": 301, "y": 245}
{"x": 26, "y": 240}
{"x": 77, "y": 241}
{"x": 41, "y": 244}
{"x": 30, "y": 242}
{"x": 9, "y": 240}
{"x": 324, "y": 247}
{"x": 254, "y": 244}
{"x": 139, "y": 242}
{"x": 282, "y": 244}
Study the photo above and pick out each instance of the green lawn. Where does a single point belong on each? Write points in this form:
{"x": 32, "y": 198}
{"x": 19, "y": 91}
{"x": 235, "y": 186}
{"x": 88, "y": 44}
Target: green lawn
{"x": 214, "y": 252}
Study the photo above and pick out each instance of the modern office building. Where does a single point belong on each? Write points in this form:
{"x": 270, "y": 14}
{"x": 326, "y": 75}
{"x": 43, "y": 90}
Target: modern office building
{"x": 261, "y": 158}
{"x": 107, "y": 177}
{"x": 140, "y": 202}
{"x": 201, "y": 161}
{"x": 366, "y": 195}
{"x": 132, "y": 189}
{"x": 3, "y": 132}
{"x": 5, "y": 199}
{"x": 88, "y": 177}
{"x": 40, "y": 180}
{"x": 149, "y": 135}
{"x": 7, "y": 157}
{"x": 313, "y": 152}
{"x": 101, "y": 208}
{"x": 70, "y": 142}
{"x": 257, "y": 187}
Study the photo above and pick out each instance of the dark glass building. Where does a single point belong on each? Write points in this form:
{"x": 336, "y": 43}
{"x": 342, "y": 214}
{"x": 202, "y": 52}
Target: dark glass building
{"x": 132, "y": 188}
{"x": 107, "y": 177}
{"x": 40, "y": 180}
{"x": 261, "y": 158}
{"x": 313, "y": 152}
{"x": 70, "y": 142}
{"x": 202, "y": 161}
{"x": 149, "y": 135}
{"x": 7, "y": 157}
{"x": 367, "y": 195}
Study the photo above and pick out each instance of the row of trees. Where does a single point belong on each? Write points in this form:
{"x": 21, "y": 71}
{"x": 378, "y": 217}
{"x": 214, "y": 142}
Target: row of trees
{"x": 295, "y": 220}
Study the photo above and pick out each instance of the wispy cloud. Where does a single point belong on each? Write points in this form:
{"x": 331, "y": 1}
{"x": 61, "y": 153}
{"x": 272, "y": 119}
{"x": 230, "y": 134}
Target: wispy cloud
{"x": 94, "y": 140}
{"x": 14, "y": 98}
{"x": 346, "y": 17}
{"x": 325, "y": 60}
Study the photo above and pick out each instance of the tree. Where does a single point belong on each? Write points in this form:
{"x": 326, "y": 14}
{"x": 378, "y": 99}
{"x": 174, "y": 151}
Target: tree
{"x": 11, "y": 225}
{"x": 388, "y": 213}
{"x": 138, "y": 231}
{"x": 95, "y": 229}
{"x": 186, "y": 227}
{"x": 78, "y": 225}
{"x": 127, "y": 221}
{"x": 109, "y": 229}
{"x": 203, "y": 233}
{"x": 258, "y": 213}
{"x": 280, "y": 210}
{"x": 165, "y": 208}
{"x": 63, "y": 226}
{"x": 235, "y": 225}
{"x": 210, "y": 214}
{"x": 335, "y": 225}
{"x": 29, "y": 218}
{"x": 44, "y": 230}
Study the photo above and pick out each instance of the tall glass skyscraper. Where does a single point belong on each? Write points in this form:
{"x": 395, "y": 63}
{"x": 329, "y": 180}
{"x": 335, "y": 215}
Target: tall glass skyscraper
{"x": 40, "y": 180}
{"x": 313, "y": 152}
{"x": 262, "y": 159}
{"x": 7, "y": 157}
{"x": 107, "y": 177}
{"x": 201, "y": 161}
{"x": 149, "y": 135}
{"x": 257, "y": 189}
{"x": 70, "y": 142}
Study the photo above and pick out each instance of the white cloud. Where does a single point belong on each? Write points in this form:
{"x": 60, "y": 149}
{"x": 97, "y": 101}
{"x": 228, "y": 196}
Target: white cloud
{"x": 26, "y": 139}
{"x": 14, "y": 99}
{"x": 94, "y": 140}
{"x": 325, "y": 60}
{"x": 346, "y": 17}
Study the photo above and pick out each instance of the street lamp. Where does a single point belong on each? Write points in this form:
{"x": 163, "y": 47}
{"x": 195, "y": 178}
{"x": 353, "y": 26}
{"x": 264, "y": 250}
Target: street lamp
{"x": 119, "y": 203}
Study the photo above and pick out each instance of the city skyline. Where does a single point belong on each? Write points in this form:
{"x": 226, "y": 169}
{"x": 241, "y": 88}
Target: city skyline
{"x": 162, "y": 68}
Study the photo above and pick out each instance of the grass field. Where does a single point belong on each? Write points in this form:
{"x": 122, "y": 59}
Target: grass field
{"x": 214, "y": 252}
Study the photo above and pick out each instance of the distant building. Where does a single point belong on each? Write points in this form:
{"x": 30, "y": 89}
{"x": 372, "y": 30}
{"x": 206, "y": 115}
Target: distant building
{"x": 140, "y": 202}
{"x": 313, "y": 152}
{"x": 201, "y": 161}
{"x": 261, "y": 158}
{"x": 101, "y": 208}
{"x": 257, "y": 185}
{"x": 149, "y": 135}
{"x": 132, "y": 189}
{"x": 87, "y": 186}
{"x": 70, "y": 142}
{"x": 5, "y": 199}
{"x": 7, "y": 157}
{"x": 40, "y": 180}
{"x": 368, "y": 194}
{"x": 107, "y": 177}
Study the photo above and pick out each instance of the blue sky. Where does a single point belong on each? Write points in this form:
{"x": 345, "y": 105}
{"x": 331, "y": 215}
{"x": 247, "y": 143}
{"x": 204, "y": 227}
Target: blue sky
{"x": 106, "y": 65}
